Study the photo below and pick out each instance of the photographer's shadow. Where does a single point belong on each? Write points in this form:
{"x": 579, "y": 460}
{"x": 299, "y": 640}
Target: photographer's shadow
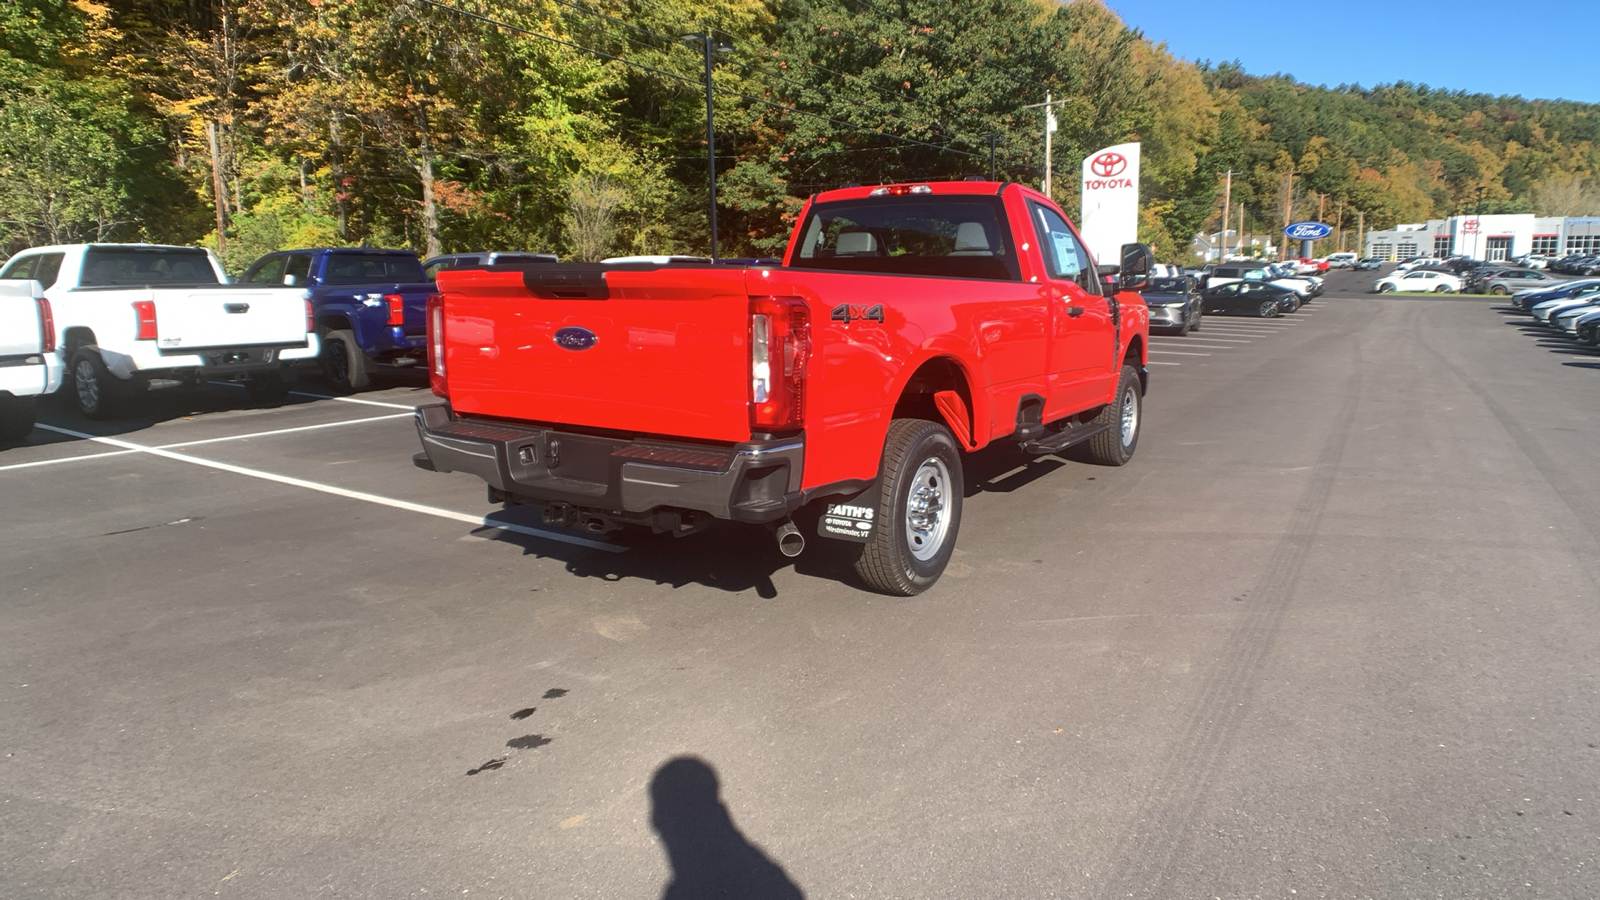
{"x": 709, "y": 856}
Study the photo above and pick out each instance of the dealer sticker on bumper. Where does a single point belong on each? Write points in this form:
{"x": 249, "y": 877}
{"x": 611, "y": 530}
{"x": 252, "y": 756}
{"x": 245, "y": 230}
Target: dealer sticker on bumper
{"x": 847, "y": 522}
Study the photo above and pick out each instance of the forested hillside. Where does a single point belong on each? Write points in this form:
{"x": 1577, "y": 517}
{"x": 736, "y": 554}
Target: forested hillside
{"x": 579, "y": 125}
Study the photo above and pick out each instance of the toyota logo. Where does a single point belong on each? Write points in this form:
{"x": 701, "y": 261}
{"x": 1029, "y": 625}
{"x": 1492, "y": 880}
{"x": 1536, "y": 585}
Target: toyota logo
{"x": 1108, "y": 164}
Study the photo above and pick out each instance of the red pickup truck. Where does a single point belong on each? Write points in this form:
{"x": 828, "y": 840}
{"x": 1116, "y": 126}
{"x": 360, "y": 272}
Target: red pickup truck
{"x": 908, "y": 325}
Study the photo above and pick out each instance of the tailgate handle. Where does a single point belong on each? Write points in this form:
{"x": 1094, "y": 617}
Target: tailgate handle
{"x": 236, "y": 307}
{"x": 1074, "y": 311}
{"x": 567, "y": 281}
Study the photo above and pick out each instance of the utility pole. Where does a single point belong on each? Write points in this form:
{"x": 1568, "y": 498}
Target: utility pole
{"x": 218, "y": 190}
{"x": 1478, "y": 215}
{"x": 1361, "y": 230}
{"x": 1049, "y": 129}
{"x": 1339, "y": 226}
{"x": 1227, "y": 203}
{"x": 710, "y": 48}
{"x": 1288, "y": 210}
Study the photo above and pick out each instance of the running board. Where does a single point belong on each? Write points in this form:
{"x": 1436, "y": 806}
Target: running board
{"x": 1057, "y": 441}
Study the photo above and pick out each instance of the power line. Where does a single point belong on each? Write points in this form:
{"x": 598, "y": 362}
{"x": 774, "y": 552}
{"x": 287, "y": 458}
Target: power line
{"x": 675, "y": 77}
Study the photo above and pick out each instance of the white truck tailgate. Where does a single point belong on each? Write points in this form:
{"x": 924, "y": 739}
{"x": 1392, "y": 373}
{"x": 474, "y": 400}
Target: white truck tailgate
{"x": 22, "y": 367}
{"x": 227, "y": 317}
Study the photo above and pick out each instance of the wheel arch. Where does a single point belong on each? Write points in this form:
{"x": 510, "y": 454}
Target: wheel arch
{"x": 939, "y": 389}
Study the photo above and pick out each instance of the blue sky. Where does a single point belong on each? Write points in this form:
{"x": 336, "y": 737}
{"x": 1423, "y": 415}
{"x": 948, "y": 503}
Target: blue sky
{"x": 1472, "y": 45}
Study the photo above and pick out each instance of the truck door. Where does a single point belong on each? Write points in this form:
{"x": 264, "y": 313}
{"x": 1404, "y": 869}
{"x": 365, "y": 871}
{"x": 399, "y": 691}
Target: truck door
{"x": 1083, "y": 343}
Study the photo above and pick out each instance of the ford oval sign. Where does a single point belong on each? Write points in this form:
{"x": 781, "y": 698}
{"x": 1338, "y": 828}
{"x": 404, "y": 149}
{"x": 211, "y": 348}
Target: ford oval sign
{"x": 1308, "y": 231}
{"x": 574, "y": 338}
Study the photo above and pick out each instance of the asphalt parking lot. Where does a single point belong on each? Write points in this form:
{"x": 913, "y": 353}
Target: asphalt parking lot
{"x": 1331, "y": 634}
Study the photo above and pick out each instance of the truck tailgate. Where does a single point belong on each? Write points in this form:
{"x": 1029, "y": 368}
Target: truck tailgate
{"x": 659, "y": 351}
{"x": 225, "y": 317}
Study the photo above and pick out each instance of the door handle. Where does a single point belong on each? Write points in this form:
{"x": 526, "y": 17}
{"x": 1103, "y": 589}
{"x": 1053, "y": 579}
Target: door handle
{"x": 1074, "y": 311}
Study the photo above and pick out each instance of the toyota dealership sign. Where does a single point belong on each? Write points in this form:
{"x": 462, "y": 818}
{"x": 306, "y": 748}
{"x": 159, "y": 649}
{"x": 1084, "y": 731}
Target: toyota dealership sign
{"x": 1110, "y": 201}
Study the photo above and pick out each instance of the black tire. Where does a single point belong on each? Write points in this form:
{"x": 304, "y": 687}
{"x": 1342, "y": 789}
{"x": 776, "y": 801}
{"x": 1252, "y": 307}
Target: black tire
{"x": 16, "y": 418}
{"x": 343, "y": 363}
{"x": 267, "y": 387}
{"x": 1445, "y": 289}
{"x": 1499, "y": 289}
{"x": 1115, "y": 445}
{"x": 93, "y": 387}
{"x": 1185, "y": 328}
{"x": 1268, "y": 309}
{"x": 1385, "y": 288}
{"x": 1199, "y": 315}
{"x": 912, "y": 456}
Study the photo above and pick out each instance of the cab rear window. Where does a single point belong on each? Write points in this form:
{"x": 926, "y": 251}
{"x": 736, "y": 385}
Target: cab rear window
{"x": 122, "y": 266}
{"x": 370, "y": 268}
{"x": 899, "y": 235}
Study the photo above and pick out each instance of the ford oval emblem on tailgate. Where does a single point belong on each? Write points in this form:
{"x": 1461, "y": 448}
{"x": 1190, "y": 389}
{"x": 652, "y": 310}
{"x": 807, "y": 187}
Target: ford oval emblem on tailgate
{"x": 574, "y": 338}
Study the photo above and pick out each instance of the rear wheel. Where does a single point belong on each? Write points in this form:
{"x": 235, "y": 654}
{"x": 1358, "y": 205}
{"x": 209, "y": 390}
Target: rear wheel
{"x": 918, "y": 509}
{"x": 16, "y": 418}
{"x": 1499, "y": 289}
{"x": 1268, "y": 309}
{"x": 1124, "y": 416}
{"x": 1385, "y": 288}
{"x": 92, "y": 384}
{"x": 343, "y": 363}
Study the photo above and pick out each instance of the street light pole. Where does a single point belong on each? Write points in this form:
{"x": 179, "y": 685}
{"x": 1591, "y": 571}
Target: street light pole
{"x": 709, "y": 47}
{"x": 1049, "y": 128}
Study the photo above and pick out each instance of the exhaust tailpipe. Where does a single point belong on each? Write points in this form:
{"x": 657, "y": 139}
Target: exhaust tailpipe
{"x": 790, "y": 541}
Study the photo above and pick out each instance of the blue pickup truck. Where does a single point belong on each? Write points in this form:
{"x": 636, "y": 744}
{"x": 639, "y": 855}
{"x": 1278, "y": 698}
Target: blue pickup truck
{"x": 369, "y": 306}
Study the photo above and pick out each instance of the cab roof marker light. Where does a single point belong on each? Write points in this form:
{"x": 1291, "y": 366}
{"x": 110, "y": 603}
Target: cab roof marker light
{"x": 900, "y": 190}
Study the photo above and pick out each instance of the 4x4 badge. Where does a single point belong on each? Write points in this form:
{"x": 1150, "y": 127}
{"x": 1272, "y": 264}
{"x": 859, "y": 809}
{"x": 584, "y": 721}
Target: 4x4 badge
{"x": 847, "y": 313}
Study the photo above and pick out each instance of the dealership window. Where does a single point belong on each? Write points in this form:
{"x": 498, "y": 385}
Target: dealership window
{"x": 1383, "y": 249}
{"x": 1407, "y": 248}
{"x": 1583, "y": 243}
{"x": 1441, "y": 245}
{"x": 1545, "y": 244}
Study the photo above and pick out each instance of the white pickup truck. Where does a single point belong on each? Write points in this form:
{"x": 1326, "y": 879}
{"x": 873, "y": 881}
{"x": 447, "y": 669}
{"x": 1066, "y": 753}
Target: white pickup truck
{"x": 28, "y": 363}
{"x": 133, "y": 317}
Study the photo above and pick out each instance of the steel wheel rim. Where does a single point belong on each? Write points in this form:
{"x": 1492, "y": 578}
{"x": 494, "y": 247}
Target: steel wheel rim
{"x": 1130, "y": 415}
{"x": 928, "y": 512}
{"x": 87, "y": 385}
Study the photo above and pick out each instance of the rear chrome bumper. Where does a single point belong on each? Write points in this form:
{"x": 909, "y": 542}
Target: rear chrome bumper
{"x": 626, "y": 478}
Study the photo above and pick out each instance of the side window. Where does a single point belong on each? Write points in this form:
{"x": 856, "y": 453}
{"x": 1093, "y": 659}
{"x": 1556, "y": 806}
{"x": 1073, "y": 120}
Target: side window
{"x": 49, "y": 268}
{"x": 299, "y": 267}
{"x": 432, "y": 272}
{"x": 267, "y": 271}
{"x": 20, "y": 269}
{"x": 1064, "y": 256}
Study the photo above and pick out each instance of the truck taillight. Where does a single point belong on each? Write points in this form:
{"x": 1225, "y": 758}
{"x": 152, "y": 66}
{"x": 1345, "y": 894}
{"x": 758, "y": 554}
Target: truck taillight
{"x": 780, "y": 348}
{"x": 397, "y": 308}
{"x": 145, "y": 312}
{"x": 47, "y": 326}
{"x": 436, "y": 379}
{"x": 311, "y": 318}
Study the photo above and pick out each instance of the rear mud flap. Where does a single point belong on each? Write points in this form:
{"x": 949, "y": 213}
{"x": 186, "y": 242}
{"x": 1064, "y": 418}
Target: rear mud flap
{"x": 852, "y": 518}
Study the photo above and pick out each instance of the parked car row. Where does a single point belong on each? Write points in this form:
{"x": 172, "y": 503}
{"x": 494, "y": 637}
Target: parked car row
{"x": 1571, "y": 308}
{"x": 1577, "y": 264}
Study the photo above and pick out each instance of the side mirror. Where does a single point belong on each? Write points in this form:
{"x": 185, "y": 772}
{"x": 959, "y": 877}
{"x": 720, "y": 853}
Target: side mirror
{"x": 1136, "y": 259}
{"x": 1136, "y": 262}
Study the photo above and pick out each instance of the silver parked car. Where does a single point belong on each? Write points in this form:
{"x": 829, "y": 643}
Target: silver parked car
{"x": 1509, "y": 281}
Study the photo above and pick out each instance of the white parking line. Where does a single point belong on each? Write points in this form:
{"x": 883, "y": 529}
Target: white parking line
{"x": 1208, "y": 337}
{"x": 1154, "y": 362}
{"x": 1178, "y": 353}
{"x": 1194, "y": 344}
{"x": 243, "y": 437}
{"x": 65, "y": 459}
{"x": 480, "y": 521}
